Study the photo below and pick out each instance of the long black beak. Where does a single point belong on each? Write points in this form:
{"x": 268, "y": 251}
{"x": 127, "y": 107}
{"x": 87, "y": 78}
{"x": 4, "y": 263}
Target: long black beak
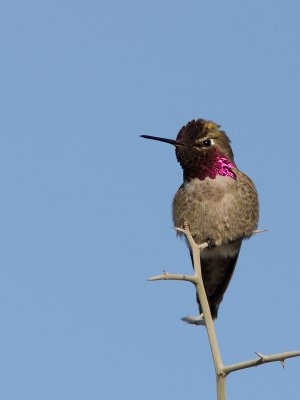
{"x": 170, "y": 141}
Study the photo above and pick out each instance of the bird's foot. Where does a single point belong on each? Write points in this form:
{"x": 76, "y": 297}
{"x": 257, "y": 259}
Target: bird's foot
{"x": 186, "y": 225}
{"x": 211, "y": 243}
{"x": 194, "y": 320}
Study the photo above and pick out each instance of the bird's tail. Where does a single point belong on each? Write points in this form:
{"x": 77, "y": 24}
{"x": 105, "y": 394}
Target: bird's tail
{"x": 213, "y": 307}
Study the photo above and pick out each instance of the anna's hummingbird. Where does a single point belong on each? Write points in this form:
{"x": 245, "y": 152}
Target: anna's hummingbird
{"x": 217, "y": 201}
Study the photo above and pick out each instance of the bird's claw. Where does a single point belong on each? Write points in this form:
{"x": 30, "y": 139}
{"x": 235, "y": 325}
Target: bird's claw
{"x": 211, "y": 243}
{"x": 186, "y": 226}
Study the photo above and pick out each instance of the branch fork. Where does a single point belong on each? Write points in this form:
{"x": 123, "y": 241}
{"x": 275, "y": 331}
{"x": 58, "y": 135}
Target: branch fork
{"x": 221, "y": 371}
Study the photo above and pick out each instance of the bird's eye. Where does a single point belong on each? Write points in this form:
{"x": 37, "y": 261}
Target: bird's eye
{"x": 204, "y": 143}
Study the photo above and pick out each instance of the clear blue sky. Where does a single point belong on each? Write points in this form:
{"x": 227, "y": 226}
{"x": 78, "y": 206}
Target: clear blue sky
{"x": 86, "y": 204}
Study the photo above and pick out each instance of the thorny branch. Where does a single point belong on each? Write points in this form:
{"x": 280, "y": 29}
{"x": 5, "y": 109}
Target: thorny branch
{"x": 221, "y": 370}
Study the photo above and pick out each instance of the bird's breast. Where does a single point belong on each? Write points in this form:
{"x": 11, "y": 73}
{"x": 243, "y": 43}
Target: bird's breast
{"x": 208, "y": 189}
{"x": 207, "y": 206}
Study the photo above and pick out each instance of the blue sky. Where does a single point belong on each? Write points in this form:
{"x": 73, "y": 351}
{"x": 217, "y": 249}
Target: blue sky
{"x": 86, "y": 204}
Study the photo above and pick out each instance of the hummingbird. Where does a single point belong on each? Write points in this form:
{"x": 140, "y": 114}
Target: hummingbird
{"x": 217, "y": 201}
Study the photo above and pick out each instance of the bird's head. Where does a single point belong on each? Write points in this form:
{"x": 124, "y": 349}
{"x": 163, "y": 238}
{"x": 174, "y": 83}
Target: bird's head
{"x": 200, "y": 145}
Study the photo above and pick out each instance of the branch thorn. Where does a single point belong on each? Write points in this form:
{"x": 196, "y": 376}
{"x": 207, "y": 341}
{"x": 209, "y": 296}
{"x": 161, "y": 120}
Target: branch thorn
{"x": 260, "y": 230}
{"x": 261, "y": 356}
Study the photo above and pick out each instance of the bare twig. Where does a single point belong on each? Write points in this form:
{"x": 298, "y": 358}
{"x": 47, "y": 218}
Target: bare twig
{"x": 174, "y": 277}
{"x": 262, "y": 359}
{"x": 221, "y": 370}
